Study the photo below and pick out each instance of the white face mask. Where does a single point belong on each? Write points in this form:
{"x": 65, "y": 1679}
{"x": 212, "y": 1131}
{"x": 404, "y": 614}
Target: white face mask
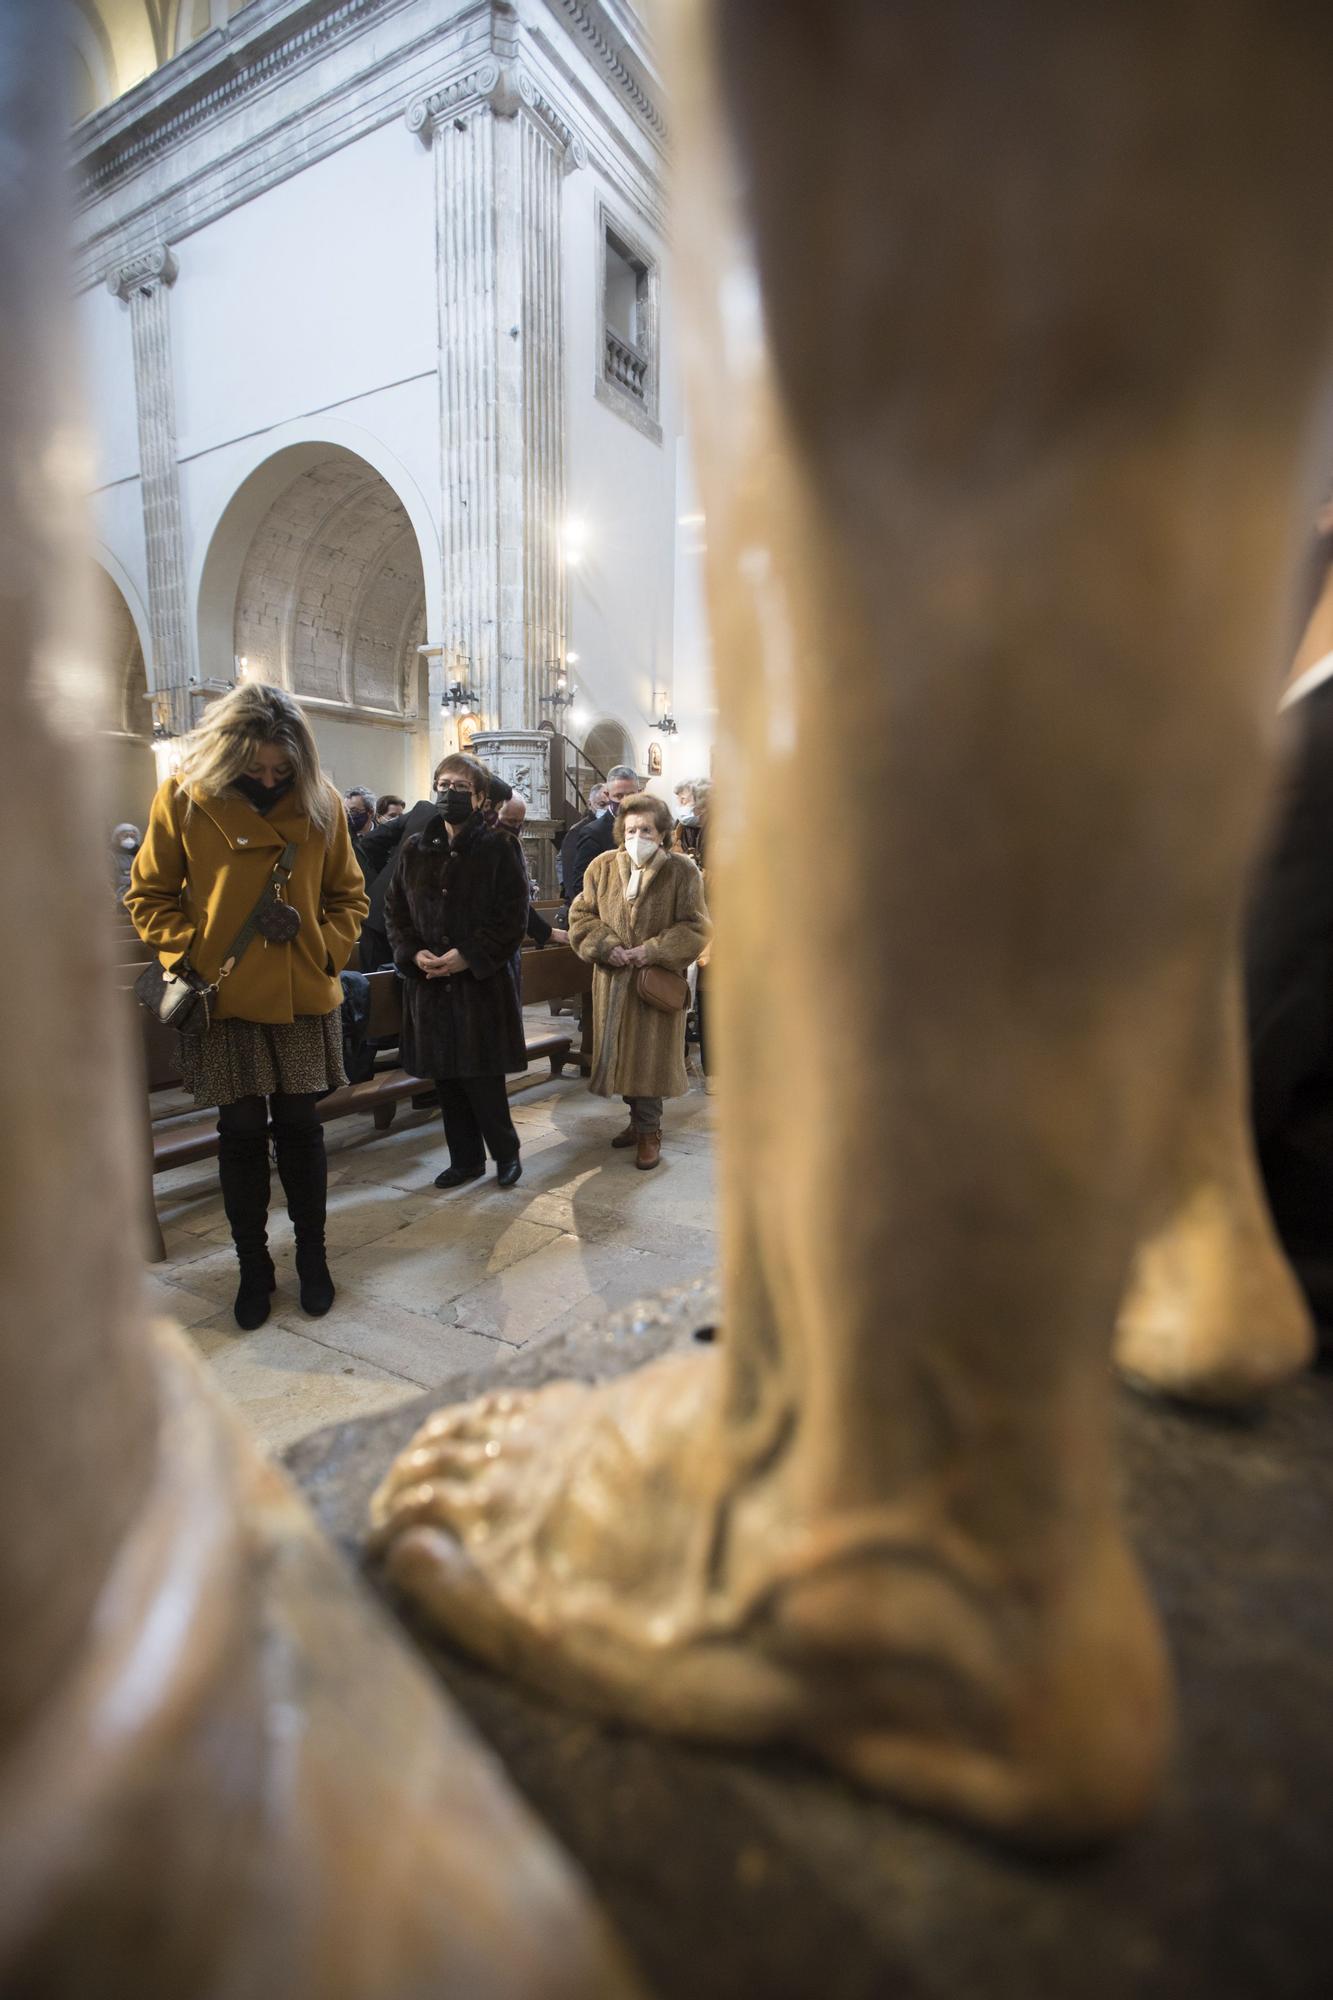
{"x": 640, "y": 847}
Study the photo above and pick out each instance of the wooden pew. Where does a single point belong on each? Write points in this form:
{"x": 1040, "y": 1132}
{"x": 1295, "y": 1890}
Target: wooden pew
{"x": 184, "y": 1138}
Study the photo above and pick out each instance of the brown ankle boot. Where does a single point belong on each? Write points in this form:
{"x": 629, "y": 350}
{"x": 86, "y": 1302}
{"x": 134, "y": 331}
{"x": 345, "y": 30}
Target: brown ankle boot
{"x": 629, "y": 1137}
{"x": 650, "y": 1150}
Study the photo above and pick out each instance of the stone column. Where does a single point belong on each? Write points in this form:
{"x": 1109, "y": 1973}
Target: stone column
{"x": 143, "y": 285}
{"x": 500, "y": 151}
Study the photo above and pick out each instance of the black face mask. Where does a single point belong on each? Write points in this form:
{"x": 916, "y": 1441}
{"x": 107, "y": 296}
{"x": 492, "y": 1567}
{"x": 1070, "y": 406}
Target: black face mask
{"x": 455, "y": 806}
{"x": 263, "y": 797}
{"x": 613, "y": 807}
{"x": 358, "y": 819}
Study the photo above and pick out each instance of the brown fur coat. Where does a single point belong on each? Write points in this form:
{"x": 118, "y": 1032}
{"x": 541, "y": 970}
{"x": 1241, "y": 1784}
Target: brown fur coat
{"x": 637, "y": 1051}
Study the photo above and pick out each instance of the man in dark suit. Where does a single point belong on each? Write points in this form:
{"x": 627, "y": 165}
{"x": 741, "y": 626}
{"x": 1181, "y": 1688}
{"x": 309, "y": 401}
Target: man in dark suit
{"x": 377, "y": 851}
{"x": 595, "y": 836}
{"x": 1289, "y": 996}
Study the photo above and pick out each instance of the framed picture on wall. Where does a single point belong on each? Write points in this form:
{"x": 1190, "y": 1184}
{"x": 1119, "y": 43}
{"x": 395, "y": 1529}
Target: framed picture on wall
{"x": 654, "y": 760}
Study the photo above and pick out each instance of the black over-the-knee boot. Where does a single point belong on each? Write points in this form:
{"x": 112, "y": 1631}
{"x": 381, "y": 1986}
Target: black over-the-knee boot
{"x": 303, "y": 1171}
{"x": 243, "y": 1172}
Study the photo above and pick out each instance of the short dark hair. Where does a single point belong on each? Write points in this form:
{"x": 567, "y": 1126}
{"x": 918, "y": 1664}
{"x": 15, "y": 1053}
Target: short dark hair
{"x": 497, "y": 791}
{"x": 459, "y": 765}
{"x": 389, "y": 799}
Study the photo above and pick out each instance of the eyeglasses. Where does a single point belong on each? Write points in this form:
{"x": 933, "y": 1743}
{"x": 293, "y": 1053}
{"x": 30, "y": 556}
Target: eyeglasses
{"x": 464, "y": 788}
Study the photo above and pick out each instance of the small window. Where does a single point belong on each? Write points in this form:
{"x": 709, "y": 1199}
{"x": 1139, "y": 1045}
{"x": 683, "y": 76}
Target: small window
{"x": 627, "y": 366}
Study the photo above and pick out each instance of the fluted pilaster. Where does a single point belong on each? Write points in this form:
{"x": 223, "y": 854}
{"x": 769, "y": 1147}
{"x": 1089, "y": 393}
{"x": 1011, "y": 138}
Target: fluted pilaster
{"x": 143, "y": 285}
{"x": 500, "y": 153}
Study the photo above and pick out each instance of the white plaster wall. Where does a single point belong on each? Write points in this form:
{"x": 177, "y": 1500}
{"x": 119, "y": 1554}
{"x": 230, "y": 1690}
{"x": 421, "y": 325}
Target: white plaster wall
{"x": 379, "y": 756}
{"x": 319, "y": 291}
{"x": 621, "y": 489}
{"x": 106, "y": 341}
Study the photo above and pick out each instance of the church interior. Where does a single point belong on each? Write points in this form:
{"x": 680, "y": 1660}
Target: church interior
{"x": 667, "y": 1243}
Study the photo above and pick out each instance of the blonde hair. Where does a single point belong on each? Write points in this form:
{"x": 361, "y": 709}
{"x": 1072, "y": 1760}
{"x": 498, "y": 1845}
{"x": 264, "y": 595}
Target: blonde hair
{"x": 222, "y": 748}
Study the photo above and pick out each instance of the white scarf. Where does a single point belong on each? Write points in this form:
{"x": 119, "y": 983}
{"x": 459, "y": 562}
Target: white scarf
{"x": 638, "y": 875}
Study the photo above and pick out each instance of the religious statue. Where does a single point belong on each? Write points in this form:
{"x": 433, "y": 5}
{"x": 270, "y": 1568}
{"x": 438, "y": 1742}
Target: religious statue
{"x": 1002, "y": 384}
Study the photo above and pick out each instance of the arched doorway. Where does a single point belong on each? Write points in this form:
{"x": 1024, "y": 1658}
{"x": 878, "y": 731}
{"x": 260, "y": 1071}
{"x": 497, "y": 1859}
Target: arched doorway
{"x": 607, "y": 744}
{"x": 314, "y": 581}
{"x": 130, "y": 774}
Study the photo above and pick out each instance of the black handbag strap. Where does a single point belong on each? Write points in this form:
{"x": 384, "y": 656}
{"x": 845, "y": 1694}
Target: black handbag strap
{"x": 282, "y": 869}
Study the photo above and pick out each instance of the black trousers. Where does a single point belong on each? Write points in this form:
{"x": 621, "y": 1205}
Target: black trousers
{"x": 475, "y": 1110}
{"x": 701, "y": 1017}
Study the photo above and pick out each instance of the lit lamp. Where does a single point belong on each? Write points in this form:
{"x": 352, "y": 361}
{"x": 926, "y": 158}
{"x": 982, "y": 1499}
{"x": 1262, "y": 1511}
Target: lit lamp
{"x": 164, "y": 736}
{"x": 560, "y": 695}
{"x": 460, "y": 693}
{"x": 665, "y": 724}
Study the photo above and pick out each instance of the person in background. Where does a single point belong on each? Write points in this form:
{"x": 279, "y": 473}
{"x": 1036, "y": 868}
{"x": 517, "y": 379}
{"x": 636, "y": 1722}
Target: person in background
{"x": 389, "y": 807}
{"x": 359, "y": 805}
{"x": 126, "y": 840}
{"x": 249, "y": 788}
{"x": 498, "y": 794}
{"x": 378, "y": 851}
{"x": 694, "y": 795}
{"x": 512, "y": 815}
{"x": 598, "y": 803}
{"x": 456, "y": 907}
{"x": 596, "y": 836}
{"x": 640, "y": 906}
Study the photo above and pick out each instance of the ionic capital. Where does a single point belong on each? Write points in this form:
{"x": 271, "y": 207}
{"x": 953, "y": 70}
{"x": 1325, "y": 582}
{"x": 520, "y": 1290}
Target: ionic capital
{"x": 144, "y": 273}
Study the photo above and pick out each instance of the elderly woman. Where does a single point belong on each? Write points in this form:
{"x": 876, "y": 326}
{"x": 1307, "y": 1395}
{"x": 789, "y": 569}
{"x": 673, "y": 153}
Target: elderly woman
{"x": 640, "y": 905}
{"x": 251, "y": 814}
{"x": 456, "y": 909}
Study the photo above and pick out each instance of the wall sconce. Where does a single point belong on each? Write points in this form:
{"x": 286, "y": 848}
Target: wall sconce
{"x": 560, "y": 695}
{"x": 460, "y": 693}
{"x": 665, "y": 724}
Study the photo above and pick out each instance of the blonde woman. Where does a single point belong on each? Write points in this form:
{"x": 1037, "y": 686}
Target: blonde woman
{"x": 250, "y": 792}
{"x": 640, "y": 905}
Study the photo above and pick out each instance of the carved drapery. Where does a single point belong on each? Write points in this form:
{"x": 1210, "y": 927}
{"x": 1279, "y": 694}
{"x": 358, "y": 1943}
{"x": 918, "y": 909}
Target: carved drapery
{"x": 143, "y": 286}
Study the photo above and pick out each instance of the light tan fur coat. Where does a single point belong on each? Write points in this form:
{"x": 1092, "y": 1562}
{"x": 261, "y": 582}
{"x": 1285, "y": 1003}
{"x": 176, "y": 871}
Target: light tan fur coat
{"x": 638, "y": 1051}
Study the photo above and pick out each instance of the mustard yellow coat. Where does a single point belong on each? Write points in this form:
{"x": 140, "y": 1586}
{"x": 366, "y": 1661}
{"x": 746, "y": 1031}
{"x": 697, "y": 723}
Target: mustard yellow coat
{"x": 198, "y": 875}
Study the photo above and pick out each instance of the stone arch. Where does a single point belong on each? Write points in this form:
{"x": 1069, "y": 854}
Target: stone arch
{"x": 129, "y": 705}
{"x": 315, "y": 579}
{"x": 608, "y": 743}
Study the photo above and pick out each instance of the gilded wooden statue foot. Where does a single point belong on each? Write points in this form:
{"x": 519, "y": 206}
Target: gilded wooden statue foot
{"x": 1002, "y": 378}
{"x": 1214, "y": 1314}
{"x": 576, "y": 1538}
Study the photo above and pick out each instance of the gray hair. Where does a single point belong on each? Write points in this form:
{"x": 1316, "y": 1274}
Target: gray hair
{"x": 623, "y": 771}
{"x": 360, "y": 792}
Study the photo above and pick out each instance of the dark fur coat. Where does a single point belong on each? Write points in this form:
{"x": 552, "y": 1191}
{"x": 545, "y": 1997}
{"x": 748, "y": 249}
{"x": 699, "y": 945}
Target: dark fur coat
{"x": 471, "y": 896}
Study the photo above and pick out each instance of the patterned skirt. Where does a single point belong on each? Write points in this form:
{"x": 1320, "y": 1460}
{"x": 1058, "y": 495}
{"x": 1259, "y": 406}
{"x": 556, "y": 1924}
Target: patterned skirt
{"x": 256, "y": 1058}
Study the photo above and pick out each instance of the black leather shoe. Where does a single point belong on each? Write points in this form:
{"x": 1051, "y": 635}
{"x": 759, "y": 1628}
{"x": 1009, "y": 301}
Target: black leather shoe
{"x": 455, "y": 1176}
{"x": 510, "y": 1172}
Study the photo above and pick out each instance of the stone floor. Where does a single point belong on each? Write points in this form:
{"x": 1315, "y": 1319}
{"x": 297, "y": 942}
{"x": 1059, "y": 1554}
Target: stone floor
{"x": 433, "y": 1285}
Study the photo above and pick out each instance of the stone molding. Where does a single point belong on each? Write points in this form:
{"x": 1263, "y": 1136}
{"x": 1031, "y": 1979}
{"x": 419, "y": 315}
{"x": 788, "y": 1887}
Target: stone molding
{"x": 506, "y": 89}
{"x": 594, "y": 28}
{"x": 180, "y": 186}
{"x": 153, "y": 267}
{"x": 122, "y": 154}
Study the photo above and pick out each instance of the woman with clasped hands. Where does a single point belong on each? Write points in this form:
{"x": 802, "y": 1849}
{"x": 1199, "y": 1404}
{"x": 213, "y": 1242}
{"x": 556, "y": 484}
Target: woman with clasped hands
{"x": 640, "y": 905}
{"x": 456, "y": 911}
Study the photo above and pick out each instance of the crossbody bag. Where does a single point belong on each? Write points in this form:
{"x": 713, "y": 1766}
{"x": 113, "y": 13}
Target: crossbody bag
{"x": 182, "y": 1000}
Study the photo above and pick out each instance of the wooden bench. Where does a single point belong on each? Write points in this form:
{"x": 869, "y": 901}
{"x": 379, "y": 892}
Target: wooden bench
{"x": 181, "y": 1139}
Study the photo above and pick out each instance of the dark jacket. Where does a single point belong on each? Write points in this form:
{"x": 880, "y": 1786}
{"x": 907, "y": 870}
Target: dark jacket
{"x": 580, "y": 845}
{"x": 379, "y": 851}
{"x": 471, "y": 896}
{"x": 1289, "y": 999}
{"x": 1289, "y": 934}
